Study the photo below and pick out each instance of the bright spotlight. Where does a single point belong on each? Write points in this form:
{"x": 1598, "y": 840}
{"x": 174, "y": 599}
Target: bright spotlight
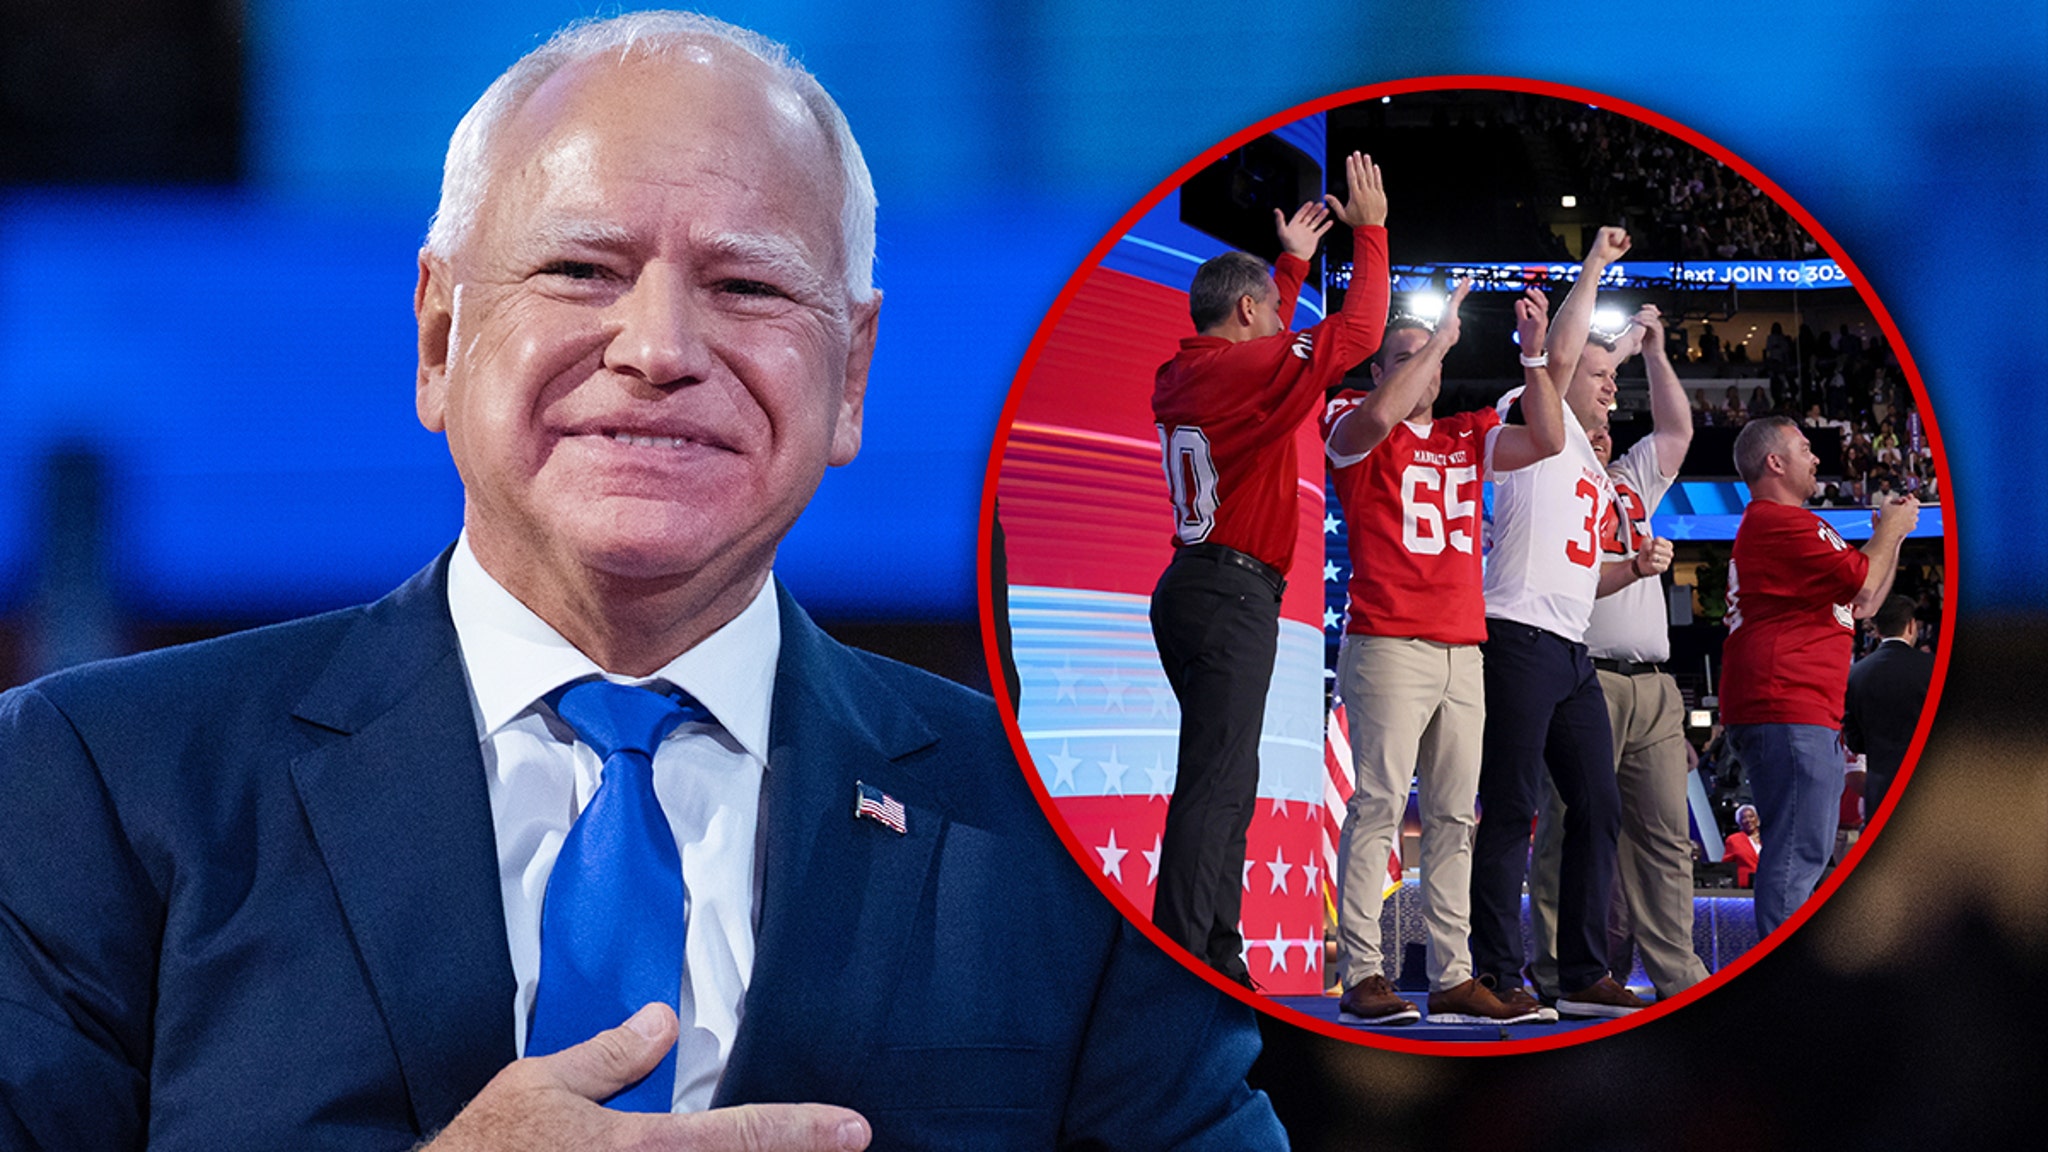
{"x": 1568, "y": 201}
{"x": 1427, "y": 305}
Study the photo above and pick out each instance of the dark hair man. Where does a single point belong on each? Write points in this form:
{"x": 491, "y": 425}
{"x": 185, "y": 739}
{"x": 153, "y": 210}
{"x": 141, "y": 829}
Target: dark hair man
{"x": 1228, "y": 406}
{"x": 1887, "y": 690}
{"x": 591, "y": 787}
{"x": 1795, "y": 592}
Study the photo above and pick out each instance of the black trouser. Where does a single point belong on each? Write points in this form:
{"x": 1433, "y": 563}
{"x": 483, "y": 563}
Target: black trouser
{"x": 1217, "y": 625}
{"x": 1544, "y": 711}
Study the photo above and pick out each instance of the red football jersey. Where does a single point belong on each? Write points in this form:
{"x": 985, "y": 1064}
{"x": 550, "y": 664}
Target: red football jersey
{"x": 1790, "y": 632}
{"x": 1412, "y": 516}
{"x": 1227, "y": 412}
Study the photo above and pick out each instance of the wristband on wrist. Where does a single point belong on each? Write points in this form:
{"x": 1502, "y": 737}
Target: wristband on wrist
{"x": 1535, "y": 361}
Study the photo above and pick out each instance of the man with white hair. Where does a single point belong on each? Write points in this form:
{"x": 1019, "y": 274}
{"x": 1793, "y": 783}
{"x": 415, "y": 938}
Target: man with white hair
{"x": 588, "y": 812}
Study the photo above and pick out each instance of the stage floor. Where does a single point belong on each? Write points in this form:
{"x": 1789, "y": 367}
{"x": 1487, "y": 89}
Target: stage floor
{"x": 1325, "y": 1008}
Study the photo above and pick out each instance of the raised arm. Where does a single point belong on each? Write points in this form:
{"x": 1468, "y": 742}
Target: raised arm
{"x": 1575, "y": 315}
{"x": 1542, "y": 433}
{"x": 1348, "y": 336}
{"x": 1890, "y": 526}
{"x": 1400, "y": 390}
{"x": 1670, "y": 414}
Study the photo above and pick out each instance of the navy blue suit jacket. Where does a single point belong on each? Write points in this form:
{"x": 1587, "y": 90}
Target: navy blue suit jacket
{"x": 1887, "y": 689}
{"x": 249, "y": 899}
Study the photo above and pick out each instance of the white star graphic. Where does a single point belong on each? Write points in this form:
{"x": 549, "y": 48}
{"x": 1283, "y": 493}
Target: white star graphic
{"x": 1280, "y": 805}
{"x": 1330, "y": 619}
{"x": 1152, "y": 863}
{"x": 1112, "y": 772}
{"x": 1247, "y": 884}
{"x": 1113, "y": 692}
{"x": 1312, "y": 951}
{"x": 1310, "y": 874}
{"x": 1066, "y": 678}
{"x": 1112, "y": 858}
{"x": 1280, "y": 868}
{"x": 1162, "y": 777}
{"x": 1277, "y": 946}
{"x": 1063, "y": 767}
{"x": 1330, "y": 572}
{"x": 1330, "y": 524}
{"x": 1162, "y": 701}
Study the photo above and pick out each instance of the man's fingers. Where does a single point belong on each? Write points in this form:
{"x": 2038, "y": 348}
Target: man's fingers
{"x": 776, "y": 1128}
{"x": 613, "y": 1059}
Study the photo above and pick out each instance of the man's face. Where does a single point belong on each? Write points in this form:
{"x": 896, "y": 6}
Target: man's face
{"x": 1602, "y": 438}
{"x": 1591, "y": 388}
{"x": 644, "y": 355}
{"x": 1401, "y": 346}
{"x": 1802, "y": 468}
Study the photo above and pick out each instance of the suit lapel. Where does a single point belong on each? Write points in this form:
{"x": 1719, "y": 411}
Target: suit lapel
{"x": 839, "y": 894}
{"x": 398, "y": 807}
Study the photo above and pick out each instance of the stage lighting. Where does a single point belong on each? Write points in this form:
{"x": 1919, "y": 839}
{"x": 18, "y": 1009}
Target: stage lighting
{"x": 1568, "y": 202}
{"x": 1426, "y": 305}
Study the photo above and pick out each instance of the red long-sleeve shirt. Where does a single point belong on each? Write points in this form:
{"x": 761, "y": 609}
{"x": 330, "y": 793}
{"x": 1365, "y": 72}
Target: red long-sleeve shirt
{"x": 1227, "y": 410}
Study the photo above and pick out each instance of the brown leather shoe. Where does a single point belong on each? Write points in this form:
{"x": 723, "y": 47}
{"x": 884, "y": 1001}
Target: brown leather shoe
{"x": 1605, "y": 998}
{"x": 1473, "y": 1003}
{"x": 1518, "y": 1000}
{"x": 1374, "y": 1001}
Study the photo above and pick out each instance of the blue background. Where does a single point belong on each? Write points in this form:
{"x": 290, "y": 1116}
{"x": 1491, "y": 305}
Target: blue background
{"x": 243, "y": 357}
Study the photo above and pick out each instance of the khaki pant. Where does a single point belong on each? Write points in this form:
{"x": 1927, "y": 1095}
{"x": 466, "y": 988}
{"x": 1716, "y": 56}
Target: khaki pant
{"x": 1415, "y": 709}
{"x": 1654, "y": 857}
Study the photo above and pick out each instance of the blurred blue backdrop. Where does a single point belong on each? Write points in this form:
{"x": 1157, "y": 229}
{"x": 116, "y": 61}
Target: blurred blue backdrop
{"x": 242, "y": 358}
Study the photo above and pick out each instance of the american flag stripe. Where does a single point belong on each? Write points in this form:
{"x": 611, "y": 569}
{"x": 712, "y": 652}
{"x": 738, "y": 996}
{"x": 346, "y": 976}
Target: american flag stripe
{"x": 875, "y": 804}
{"x": 1336, "y": 794}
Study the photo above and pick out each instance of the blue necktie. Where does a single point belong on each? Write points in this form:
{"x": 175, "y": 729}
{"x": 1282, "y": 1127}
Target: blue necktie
{"x": 611, "y": 926}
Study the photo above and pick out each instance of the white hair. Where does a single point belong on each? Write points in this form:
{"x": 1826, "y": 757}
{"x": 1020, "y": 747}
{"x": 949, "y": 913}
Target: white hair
{"x": 466, "y": 171}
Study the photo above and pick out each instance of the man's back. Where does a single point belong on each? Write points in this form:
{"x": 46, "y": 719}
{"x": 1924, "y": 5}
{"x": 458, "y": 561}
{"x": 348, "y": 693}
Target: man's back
{"x": 1887, "y": 689}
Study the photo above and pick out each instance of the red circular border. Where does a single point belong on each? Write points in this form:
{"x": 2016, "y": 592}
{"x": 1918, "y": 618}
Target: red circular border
{"x": 1873, "y": 823}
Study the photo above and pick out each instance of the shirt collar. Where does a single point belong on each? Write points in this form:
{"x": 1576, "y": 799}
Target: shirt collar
{"x": 514, "y": 658}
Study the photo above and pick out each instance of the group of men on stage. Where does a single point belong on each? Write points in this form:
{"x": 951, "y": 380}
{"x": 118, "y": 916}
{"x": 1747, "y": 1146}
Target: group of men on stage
{"x": 1531, "y": 683}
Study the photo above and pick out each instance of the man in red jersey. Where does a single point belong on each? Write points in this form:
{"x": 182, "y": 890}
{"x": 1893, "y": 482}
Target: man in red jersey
{"x": 1795, "y": 592}
{"x": 1409, "y": 669}
{"x": 1228, "y": 405}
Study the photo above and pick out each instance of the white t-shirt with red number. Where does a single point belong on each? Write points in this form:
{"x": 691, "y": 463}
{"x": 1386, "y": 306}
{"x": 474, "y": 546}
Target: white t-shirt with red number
{"x": 1635, "y": 623}
{"x": 1543, "y": 565}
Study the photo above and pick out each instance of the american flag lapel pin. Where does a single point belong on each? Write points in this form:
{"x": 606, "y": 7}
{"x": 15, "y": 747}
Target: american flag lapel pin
{"x": 870, "y": 802}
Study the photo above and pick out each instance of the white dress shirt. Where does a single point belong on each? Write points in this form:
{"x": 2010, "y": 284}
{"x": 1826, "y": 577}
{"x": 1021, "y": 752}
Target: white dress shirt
{"x": 706, "y": 775}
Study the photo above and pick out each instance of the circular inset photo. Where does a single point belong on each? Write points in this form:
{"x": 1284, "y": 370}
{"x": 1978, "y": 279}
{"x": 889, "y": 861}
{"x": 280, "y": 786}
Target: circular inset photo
{"x": 1468, "y": 562}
